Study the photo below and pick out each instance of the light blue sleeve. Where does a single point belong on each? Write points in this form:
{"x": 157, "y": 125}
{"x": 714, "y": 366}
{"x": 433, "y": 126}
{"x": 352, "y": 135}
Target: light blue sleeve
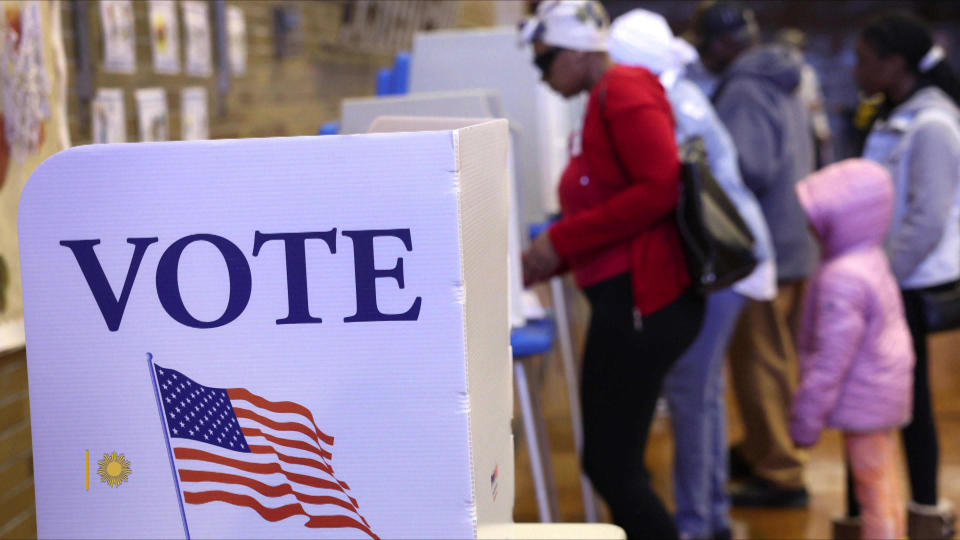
{"x": 934, "y": 162}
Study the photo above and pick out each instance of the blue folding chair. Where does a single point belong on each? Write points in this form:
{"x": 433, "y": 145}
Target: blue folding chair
{"x": 330, "y": 128}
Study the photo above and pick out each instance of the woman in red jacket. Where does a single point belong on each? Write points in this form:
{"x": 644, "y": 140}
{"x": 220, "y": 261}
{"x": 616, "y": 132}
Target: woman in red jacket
{"x": 618, "y": 236}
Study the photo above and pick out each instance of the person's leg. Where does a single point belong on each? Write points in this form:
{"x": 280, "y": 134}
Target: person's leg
{"x": 748, "y": 338}
{"x": 920, "y": 435}
{"x": 622, "y": 375}
{"x": 873, "y": 458}
{"x": 896, "y": 508}
{"x": 853, "y": 506}
{"x": 690, "y": 389}
{"x": 717, "y": 417}
{"x": 848, "y": 527}
{"x": 615, "y": 426}
{"x": 764, "y": 377}
{"x": 684, "y": 388}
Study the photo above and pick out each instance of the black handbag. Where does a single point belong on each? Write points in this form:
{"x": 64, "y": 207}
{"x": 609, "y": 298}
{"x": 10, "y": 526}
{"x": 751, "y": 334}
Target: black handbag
{"x": 718, "y": 243}
{"x": 941, "y": 307}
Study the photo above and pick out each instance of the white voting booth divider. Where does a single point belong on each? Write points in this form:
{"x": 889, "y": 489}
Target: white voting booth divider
{"x": 439, "y": 110}
{"x": 537, "y": 444}
{"x": 535, "y": 441}
{"x": 493, "y": 58}
{"x": 394, "y": 124}
{"x": 293, "y": 337}
{"x": 395, "y": 113}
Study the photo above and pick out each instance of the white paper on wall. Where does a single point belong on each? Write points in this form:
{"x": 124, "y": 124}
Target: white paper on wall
{"x": 24, "y": 82}
{"x": 196, "y": 23}
{"x": 33, "y": 120}
{"x": 193, "y": 114}
{"x": 164, "y": 36}
{"x": 237, "y": 40}
{"x": 109, "y": 116}
{"x": 152, "y": 115}
{"x": 119, "y": 52}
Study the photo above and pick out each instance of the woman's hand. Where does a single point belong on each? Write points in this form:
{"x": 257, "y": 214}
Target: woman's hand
{"x": 540, "y": 261}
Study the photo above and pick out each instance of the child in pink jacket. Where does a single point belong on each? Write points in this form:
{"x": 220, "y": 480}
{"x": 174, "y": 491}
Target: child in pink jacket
{"x": 855, "y": 352}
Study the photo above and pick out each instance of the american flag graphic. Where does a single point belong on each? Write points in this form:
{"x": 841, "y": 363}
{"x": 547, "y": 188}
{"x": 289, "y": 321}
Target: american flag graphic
{"x": 232, "y": 446}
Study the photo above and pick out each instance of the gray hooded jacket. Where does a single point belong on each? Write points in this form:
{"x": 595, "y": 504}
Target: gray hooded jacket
{"x": 919, "y": 143}
{"x": 757, "y": 100}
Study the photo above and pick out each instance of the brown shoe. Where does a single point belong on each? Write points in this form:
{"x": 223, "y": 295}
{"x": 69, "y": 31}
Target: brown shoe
{"x": 926, "y": 522}
{"x": 846, "y": 528}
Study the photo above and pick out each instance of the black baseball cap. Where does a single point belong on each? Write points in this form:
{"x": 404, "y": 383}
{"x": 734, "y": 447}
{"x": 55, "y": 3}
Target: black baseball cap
{"x": 714, "y": 19}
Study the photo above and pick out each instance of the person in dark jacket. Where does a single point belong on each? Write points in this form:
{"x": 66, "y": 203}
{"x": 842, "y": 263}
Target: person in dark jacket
{"x": 756, "y": 98}
{"x": 618, "y": 235}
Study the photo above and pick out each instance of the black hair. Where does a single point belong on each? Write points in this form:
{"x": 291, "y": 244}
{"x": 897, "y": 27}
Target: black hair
{"x": 900, "y": 33}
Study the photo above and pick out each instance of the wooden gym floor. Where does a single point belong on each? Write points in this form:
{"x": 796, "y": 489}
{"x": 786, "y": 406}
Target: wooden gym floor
{"x": 824, "y": 473}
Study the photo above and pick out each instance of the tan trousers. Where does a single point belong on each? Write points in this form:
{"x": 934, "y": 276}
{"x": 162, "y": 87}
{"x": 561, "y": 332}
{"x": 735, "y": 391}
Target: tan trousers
{"x": 875, "y": 461}
{"x": 763, "y": 369}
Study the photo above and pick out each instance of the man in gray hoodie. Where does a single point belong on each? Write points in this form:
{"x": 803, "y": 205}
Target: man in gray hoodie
{"x": 755, "y": 96}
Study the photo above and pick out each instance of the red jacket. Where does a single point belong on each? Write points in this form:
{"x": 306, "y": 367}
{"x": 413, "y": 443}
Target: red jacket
{"x": 619, "y": 194}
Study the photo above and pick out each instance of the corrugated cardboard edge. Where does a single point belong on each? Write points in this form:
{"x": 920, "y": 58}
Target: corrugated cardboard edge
{"x": 462, "y": 298}
{"x": 482, "y": 164}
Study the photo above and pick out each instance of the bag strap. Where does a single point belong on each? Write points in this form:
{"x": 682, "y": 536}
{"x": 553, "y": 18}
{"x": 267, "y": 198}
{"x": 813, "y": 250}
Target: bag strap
{"x": 602, "y": 100}
{"x": 688, "y": 236}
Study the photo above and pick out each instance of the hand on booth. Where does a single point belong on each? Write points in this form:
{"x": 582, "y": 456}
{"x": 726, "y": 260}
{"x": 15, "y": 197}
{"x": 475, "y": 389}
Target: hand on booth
{"x": 540, "y": 261}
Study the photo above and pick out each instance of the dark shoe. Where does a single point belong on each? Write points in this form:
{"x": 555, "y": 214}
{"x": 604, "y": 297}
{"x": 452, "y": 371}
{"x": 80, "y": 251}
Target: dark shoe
{"x": 740, "y": 468}
{"x": 931, "y": 522}
{"x": 723, "y": 534}
{"x": 759, "y": 493}
{"x": 846, "y": 528}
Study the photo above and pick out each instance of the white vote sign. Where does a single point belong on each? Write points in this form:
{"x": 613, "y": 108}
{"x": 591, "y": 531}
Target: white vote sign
{"x": 274, "y": 338}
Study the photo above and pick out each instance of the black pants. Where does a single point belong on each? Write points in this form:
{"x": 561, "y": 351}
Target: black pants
{"x": 920, "y": 435}
{"x": 623, "y": 370}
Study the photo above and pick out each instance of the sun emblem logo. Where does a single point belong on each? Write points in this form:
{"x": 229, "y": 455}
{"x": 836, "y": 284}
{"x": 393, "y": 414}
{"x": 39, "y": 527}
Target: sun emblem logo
{"x": 114, "y": 469}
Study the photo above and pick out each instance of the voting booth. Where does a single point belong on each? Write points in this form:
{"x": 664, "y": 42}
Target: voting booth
{"x": 358, "y": 114}
{"x": 494, "y": 59}
{"x": 519, "y": 308}
{"x": 294, "y": 337}
{"x": 434, "y": 110}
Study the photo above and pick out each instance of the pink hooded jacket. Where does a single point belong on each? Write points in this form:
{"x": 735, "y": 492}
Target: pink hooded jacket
{"x": 856, "y": 356}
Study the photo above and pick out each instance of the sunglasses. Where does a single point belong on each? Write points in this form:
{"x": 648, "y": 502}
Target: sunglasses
{"x": 544, "y": 60}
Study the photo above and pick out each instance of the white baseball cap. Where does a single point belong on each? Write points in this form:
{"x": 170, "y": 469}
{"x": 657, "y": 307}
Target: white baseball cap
{"x": 579, "y": 25}
{"x": 643, "y": 38}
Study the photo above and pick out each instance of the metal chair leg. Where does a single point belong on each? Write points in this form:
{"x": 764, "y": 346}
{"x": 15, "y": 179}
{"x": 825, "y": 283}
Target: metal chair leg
{"x": 537, "y": 446}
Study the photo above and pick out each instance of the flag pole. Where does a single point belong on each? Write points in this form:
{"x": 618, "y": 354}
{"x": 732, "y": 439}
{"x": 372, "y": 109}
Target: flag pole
{"x": 166, "y": 438}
